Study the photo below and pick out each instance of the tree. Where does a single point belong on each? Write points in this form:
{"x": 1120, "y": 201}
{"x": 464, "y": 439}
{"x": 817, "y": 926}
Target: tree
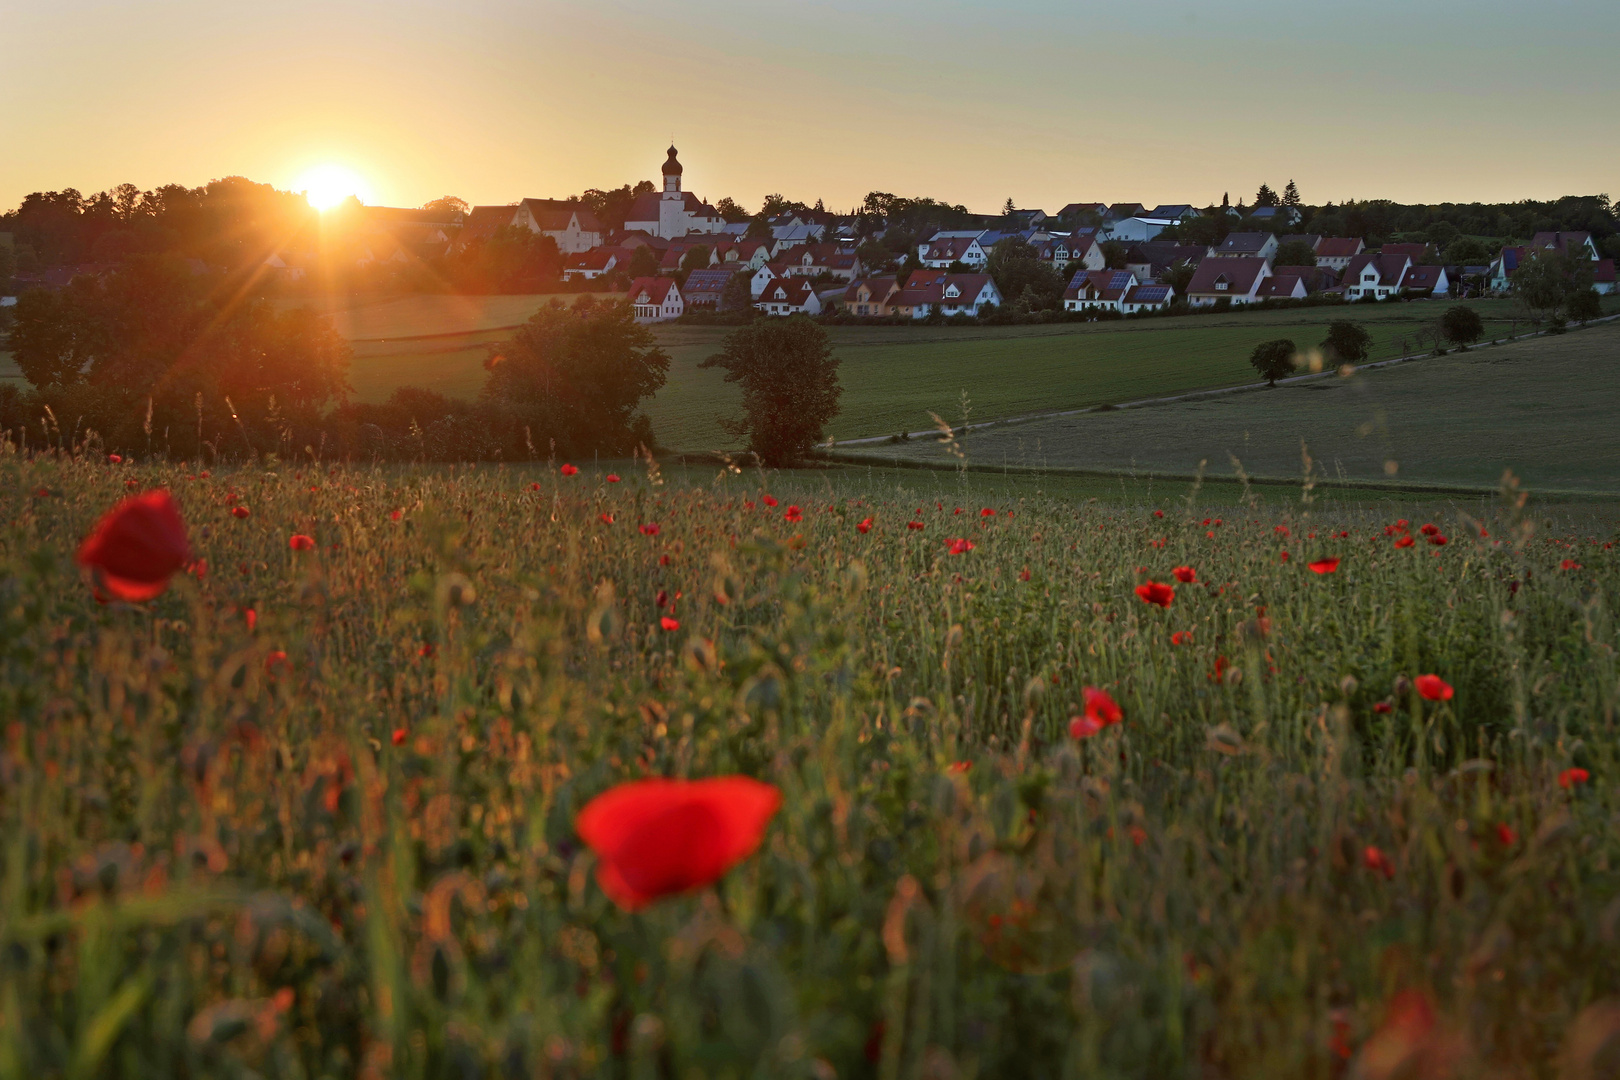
{"x": 643, "y": 262}
{"x": 1114, "y": 254}
{"x": 1290, "y": 196}
{"x": 1014, "y": 266}
{"x": 1346, "y": 341}
{"x": 1462, "y": 325}
{"x": 790, "y": 387}
{"x": 1178, "y": 277}
{"x": 1467, "y": 251}
{"x": 1549, "y": 280}
{"x": 736, "y": 296}
{"x": 1273, "y": 359}
{"x": 759, "y": 228}
{"x": 875, "y": 256}
{"x": 52, "y": 338}
{"x": 1294, "y": 253}
{"x": 578, "y": 376}
{"x": 1583, "y": 305}
{"x": 1008, "y": 209}
{"x": 450, "y": 206}
{"x": 1265, "y": 197}
{"x": 696, "y": 258}
{"x": 728, "y": 209}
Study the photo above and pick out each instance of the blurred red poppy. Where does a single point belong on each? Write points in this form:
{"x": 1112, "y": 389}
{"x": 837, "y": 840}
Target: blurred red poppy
{"x": 1405, "y": 541}
{"x": 650, "y": 529}
{"x": 396, "y": 515}
{"x": 864, "y": 526}
{"x": 1570, "y": 777}
{"x": 914, "y": 525}
{"x": 535, "y": 486}
{"x": 793, "y": 513}
{"x": 398, "y": 737}
{"x": 239, "y": 511}
{"x": 1438, "y": 540}
{"x": 568, "y": 470}
{"x": 1023, "y": 575}
{"x": 607, "y": 519}
{"x": 274, "y": 660}
{"x": 1324, "y": 566}
{"x": 251, "y": 617}
{"x": 1101, "y": 707}
{"x": 1185, "y": 574}
{"x": 658, "y": 838}
{"x": 1569, "y": 564}
{"x": 300, "y": 542}
{"x": 115, "y": 459}
{"x": 1154, "y": 592}
{"x": 136, "y": 547}
{"x": 959, "y": 546}
{"x": 987, "y": 512}
{"x": 669, "y": 624}
{"x": 770, "y": 500}
{"x": 1505, "y": 834}
{"x": 1433, "y": 687}
{"x": 1283, "y": 530}
{"x": 613, "y": 478}
{"x": 959, "y": 766}
{"x": 1375, "y": 859}
{"x": 1429, "y": 530}
{"x": 1158, "y": 513}
{"x": 1383, "y": 707}
{"x": 1181, "y": 637}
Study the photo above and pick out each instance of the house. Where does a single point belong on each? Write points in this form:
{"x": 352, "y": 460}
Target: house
{"x": 1335, "y": 252}
{"x": 1236, "y": 278}
{"x": 1176, "y": 212}
{"x": 1148, "y": 260}
{"x": 1310, "y": 240}
{"x": 677, "y": 250}
{"x": 763, "y": 276}
{"x": 1567, "y": 242}
{"x": 940, "y": 252}
{"x": 750, "y": 253}
{"x": 1316, "y": 278}
{"x": 482, "y": 223}
{"x": 1098, "y": 290}
{"x": 928, "y": 292}
{"x": 1247, "y": 245}
{"x": 673, "y": 213}
{"x": 1603, "y": 282}
{"x": 1027, "y": 219}
{"x": 656, "y": 299}
{"x": 1133, "y": 230}
{"x": 570, "y": 224}
{"x": 1375, "y": 275}
{"x": 789, "y": 296}
{"x": 1082, "y": 246}
{"x": 1121, "y": 210}
{"x": 870, "y": 296}
{"x": 1084, "y": 209}
{"x": 706, "y": 288}
{"x": 1272, "y": 215}
{"x": 813, "y": 260}
{"x": 1411, "y": 251}
{"x": 1282, "y": 287}
{"x": 282, "y": 265}
{"x": 1151, "y": 297}
{"x": 590, "y": 265}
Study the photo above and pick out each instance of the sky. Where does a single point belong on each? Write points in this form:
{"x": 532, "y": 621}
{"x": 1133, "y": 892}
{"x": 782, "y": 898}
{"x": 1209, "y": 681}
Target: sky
{"x": 1040, "y": 101}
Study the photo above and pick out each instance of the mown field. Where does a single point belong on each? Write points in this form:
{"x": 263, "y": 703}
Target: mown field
{"x": 340, "y": 836}
{"x": 1545, "y": 407}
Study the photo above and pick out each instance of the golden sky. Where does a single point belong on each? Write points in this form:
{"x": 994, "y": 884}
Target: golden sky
{"x": 1044, "y": 102}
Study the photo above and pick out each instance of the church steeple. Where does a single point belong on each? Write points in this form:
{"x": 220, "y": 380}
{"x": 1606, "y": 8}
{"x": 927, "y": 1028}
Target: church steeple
{"x": 672, "y": 174}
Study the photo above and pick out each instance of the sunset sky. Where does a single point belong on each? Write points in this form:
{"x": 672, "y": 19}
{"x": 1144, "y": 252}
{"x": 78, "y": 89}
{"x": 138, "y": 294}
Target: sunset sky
{"x": 1046, "y": 102}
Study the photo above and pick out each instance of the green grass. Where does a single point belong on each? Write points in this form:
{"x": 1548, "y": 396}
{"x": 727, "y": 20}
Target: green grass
{"x": 220, "y": 858}
{"x": 1544, "y": 408}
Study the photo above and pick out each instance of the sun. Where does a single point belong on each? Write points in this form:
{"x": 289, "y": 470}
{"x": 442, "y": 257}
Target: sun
{"x": 325, "y": 186}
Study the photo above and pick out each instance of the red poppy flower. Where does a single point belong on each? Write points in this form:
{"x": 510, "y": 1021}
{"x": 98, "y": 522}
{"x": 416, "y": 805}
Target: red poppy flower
{"x": 987, "y": 512}
{"x": 1433, "y": 687}
{"x": 1154, "y": 592}
{"x": 1023, "y": 575}
{"x": 914, "y": 525}
{"x": 1206, "y": 521}
{"x": 1438, "y": 540}
{"x": 793, "y": 513}
{"x": 535, "y": 486}
{"x": 1324, "y": 566}
{"x": 1282, "y": 556}
{"x": 239, "y": 511}
{"x": 398, "y": 738}
{"x": 1376, "y": 860}
{"x": 663, "y": 560}
{"x": 959, "y": 766}
{"x": 251, "y": 617}
{"x": 1185, "y": 574}
{"x": 136, "y": 547}
{"x": 669, "y": 624}
{"x": 1101, "y": 707}
{"x": 1084, "y": 727}
{"x": 959, "y": 546}
{"x": 770, "y": 500}
{"x": 300, "y": 542}
{"x": 1569, "y": 564}
{"x": 1429, "y": 530}
{"x": 1181, "y": 637}
{"x": 1405, "y": 541}
{"x": 1402, "y": 523}
{"x": 274, "y": 660}
{"x": 864, "y": 526}
{"x": 613, "y": 478}
{"x": 396, "y": 515}
{"x": 606, "y": 519}
{"x": 1158, "y": 513}
{"x": 1283, "y": 530}
{"x": 661, "y": 599}
{"x": 657, "y": 838}
{"x": 1383, "y": 707}
{"x": 1222, "y": 664}
{"x": 1505, "y": 834}
{"x": 568, "y": 470}
{"x": 650, "y": 529}
{"x": 115, "y": 459}
{"x": 1570, "y": 777}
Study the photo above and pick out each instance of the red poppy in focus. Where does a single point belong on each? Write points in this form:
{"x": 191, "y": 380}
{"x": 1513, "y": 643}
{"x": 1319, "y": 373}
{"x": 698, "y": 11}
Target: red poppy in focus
{"x": 959, "y": 546}
{"x": 1433, "y": 687}
{"x": 1154, "y": 592}
{"x": 300, "y": 542}
{"x": 1181, "y": 637}
{"x": 613, "y": 478}
{"x": 136, "y": 547}
{"x": 657, "y": 838}
{"x": 398, "y": 738}
{"x": 864, "y": 526}
{"x": 1185, "y": 574}
{"x": 650, "y": 529}
{"x": 1570, "y": 777}
{"x": 770, "y": 500}
{"x": 1324, "y": 566}
{"x": 1405, "y": 541}
{"x": 1374, "y": 859}
{"x": 669, "y": 624}
{"x": 914, "y": 525}
{"x": 1099, "y": 706}
{"x": 239, "y": 511}
{"x": 1569, "y": 564}
{"x": 568, "y": 470}
{"x": 793, "y": 513}
{"x": 987, "y": 512}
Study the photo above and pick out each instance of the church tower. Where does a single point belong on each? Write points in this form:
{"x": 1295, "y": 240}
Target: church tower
{"x": 672, "y": 206}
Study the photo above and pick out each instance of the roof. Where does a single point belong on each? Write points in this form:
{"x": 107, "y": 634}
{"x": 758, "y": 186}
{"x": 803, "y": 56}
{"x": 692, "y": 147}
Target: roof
{"x": 1414, "y": 251}
{"x": 596, "y": 258}
{"x": 656, "y": 289}
{"x": 645, "y": 208}
{"x": 1104, "y": 284}
{"x": 1240, "y": 271}
{"x": 553, "y": 215}
{"x": 672, "y": 166}
{"x": 1148, "y": 294}
{"x": 1310, "y": 240}
{"x": 878, "y": 287}
{"x": 1084, "y": 208}
{"x": 1243, "y": 243}
{"x": 398, "y": 215}
{"x": 709, "y": 280}
{"x": 928, "y": 287}
{"x": 1423, "y": 277}
{"x": 1160, "y": 254}
{"x": 794, "y": 291}
{"x": 950, "y": 249}
{"x": 483, "y": 221}
{"x": 1603, "y": 272}
{"x": 1391, "y": 268}
{"x": 1285, "y": 285}
{"x": 1339, "y": 247}
{"x": 1560, "y": 240}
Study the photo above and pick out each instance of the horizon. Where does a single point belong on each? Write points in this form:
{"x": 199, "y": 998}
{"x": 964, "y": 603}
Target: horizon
{"x": 509, "y": 103}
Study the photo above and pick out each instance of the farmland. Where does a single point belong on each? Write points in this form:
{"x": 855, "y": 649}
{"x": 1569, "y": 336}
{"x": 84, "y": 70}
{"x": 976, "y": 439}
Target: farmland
{"x": 1543, "y": 407}
{"x": 338, "y": 836}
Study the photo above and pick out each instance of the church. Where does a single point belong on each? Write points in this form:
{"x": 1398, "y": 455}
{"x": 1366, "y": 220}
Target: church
{"x": 673, "y": 213}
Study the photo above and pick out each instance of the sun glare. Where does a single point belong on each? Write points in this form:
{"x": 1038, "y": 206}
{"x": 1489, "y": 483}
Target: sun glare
{"x": 325, "y": 186}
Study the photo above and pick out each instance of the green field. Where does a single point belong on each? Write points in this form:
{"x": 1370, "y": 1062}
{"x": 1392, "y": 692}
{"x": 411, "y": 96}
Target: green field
{"x": 1546, "y": 408}
{"x": 319, "y": 809}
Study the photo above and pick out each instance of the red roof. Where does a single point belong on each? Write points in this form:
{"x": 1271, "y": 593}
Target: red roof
{"x": 1413, "y": 250}
{"x": 1339, "y": 247}
{"x": 656, "y": 289}
{"x": 793, "y": 291}
{"x": 878, "y": 289}
{"x": 553, "y": 215}
{"x": 1240, "y": 272}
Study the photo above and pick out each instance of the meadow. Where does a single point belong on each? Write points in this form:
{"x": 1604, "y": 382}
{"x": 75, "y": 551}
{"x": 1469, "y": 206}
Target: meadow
{"x": 315, "y": 809}
{"x": 1544, "y": 407}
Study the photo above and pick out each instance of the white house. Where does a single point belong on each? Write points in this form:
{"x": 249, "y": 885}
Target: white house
{"x": 1235, "y": 278}
{"x": 673, "y": 213}
{"x": 1083, "y": 246}
{"x": 1375, "y": 275}
{"x": 789, "y": 296}
{"x": 590, "y": 265}
{"x": 571, "y": 225}
{"x": 1335, "y": 252}
{"x": 1146, "y": 298}
{"x": 656, "y": 299}
{"x": 929, "y": 292}
{"x": 1098, "y": 290}
{"x": 941, "y": 251}
{"x": 1252, "y": 245}
{"x": 1282, "y": 287}
{"x": 1136, "y": 230}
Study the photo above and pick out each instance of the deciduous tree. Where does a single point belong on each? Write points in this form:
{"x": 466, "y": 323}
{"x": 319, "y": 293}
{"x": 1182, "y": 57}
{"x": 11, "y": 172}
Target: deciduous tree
{"x": 790, "y": 388}
{"x": 1274, "y": 359}
{"x": 1346, "y": 342}
{"x": 1462, "y": 325}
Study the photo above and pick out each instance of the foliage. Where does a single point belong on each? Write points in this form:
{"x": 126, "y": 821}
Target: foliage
{"x": 449, "y": 206}
{"x": 1294, "y": 253}
{"x": 576, "y": 376}
{"x": 1114, "y": 254}
{"x": 728, "y": 209}
{"x": 1583, "y": 305}
{"x": 1547, "y": 281}
{"x": 612, "y": 207}
{"x": 512, "y": 259}
{"x": 1467, "y": 251}
{"x": 1346, "y": 342}
{"x": 1266, "y": 197}
{"x": 1274, "y": 359}
{"x": 1015, "y": 268}
{"x": 338, "y": 839}
{"x": 696, "y": 258}
{"x": 1462, "y": 325}
{"x": 789, "y": 380}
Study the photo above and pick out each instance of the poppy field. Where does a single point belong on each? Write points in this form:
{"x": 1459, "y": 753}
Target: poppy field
{"x": 321, "y": 771}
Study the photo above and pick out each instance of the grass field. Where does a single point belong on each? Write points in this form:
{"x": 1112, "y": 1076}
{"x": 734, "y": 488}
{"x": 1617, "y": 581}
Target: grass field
{"x": 1545, "y": 408}
{"x": 341, "y": 836}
